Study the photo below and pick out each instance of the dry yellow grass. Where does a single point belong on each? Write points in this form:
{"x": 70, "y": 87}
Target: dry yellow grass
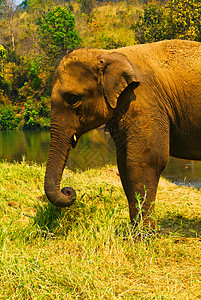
{"x": 109, "y": 26}
{"x": 88, "y": 251}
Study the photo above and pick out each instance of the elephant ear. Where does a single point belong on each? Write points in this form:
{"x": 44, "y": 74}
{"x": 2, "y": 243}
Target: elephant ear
{"x": 116, "y": 74}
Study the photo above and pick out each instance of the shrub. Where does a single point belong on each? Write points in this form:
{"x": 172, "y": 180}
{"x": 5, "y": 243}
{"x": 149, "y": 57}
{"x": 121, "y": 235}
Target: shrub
{"x": 8, "y": 121}
{"x": 150, "y": 24}
{"x": 36, "y": 83}
{"x": 179, "y": 19}
{"x": 3, "y": 53}
{"x": 184, "y": 19}
{"x": 31, "y": 116}
{"x": 36, "y": 116}
{"x": 44, "y": 110}
{"x": 13, "y": 57}
{"x": 5, "y": 86}
{"x": 110, "y": 42}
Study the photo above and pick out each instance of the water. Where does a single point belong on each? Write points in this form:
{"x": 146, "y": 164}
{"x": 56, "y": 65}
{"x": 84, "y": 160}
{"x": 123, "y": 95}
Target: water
{"x": 14, "y": 145}
{"x": 94, "y": 149}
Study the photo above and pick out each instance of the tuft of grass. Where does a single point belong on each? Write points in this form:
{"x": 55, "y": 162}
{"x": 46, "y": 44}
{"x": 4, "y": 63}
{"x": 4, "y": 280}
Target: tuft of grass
{"x": 89, "y": 250}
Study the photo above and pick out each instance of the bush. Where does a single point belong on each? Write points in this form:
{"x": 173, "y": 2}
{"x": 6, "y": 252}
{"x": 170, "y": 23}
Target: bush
{"x": 179, "y": 19}
{"x": 110, "y": 42}
{"x": 8, "y": 121}
{"x": 184, "y": 19}
{"x": 5, "y": 86}
{"x": 150, "y": 24}
{"x": 31, "y": 116}
{"x": 44, "y": 110}
{"x": 36, "y": 116}
{"x": 13, "y": 57}
{"x": 36, "y": 83}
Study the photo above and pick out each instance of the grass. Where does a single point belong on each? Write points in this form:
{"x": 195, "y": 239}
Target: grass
{"x": 88, "y": 251}
{"x": 109, "y": 25}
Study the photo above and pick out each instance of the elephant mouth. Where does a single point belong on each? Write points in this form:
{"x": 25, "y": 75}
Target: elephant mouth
{"x": 74, "y": 140}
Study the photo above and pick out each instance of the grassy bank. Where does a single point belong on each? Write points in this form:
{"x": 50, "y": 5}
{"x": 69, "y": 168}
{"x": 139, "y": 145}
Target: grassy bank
{"x": 87, "y": 251}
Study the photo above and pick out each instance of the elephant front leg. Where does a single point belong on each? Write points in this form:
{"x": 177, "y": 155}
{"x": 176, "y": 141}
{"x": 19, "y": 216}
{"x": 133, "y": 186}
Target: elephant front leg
{"x": 140, "y": 163}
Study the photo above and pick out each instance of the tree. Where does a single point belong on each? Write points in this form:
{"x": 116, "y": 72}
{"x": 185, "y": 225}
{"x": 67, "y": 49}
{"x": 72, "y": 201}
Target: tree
{"x": 179, "y": 19}
{"x": 8, "y": 10}
{"x": 150, "y": 24}
{"x": 57, "y": 32}
{"x": 184, "y": 19}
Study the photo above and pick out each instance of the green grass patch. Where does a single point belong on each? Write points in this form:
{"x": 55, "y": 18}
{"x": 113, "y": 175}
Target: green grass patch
{"x": 88, "y": 251}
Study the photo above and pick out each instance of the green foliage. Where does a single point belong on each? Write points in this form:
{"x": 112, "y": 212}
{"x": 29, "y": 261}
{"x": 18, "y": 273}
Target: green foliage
{"x": 33, "y": 75}
{"x": 57, "y": 32}
{"x": 36, "y": 115}
{"x": 31, "y": 116}
{"x": 5, "y": 86}
{"x": 8, "y": 121}
{"x": 35, "y": 66}
{"x": 109, "y": 42}
{"x": 184, "y": 19}
{"x": 150, "y": 25}
{"x": 44, "y": 110}
{"x": 179, "y": 19}
{"x": 20, "y": 76}
{"x": 36, "y": 83}
{"x": 13, "y": 57}
{"x": 2, "y": 52}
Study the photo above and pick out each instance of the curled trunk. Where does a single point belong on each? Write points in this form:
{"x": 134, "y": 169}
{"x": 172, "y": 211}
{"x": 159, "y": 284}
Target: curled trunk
{"x": 58, "y": 155}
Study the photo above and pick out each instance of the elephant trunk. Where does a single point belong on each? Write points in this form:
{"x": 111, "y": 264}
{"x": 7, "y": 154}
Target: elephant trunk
{"x": 58, "y": 155}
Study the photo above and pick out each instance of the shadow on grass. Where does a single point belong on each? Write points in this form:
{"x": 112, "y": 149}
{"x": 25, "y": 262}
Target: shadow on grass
{"x": 47, "y": 216}
{"x": 51, "y": 219}
{"x": 177, "y": 225}
{"x": 59, "y": 221}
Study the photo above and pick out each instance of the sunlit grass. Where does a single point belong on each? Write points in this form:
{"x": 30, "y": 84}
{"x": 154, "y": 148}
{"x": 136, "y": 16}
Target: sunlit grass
{"x": 88, "y": 251}
{"x": 109, "y": 25}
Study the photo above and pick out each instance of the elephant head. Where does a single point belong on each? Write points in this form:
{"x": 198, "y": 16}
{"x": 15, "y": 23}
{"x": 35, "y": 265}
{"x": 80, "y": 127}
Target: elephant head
{"x": 85, "y": 94}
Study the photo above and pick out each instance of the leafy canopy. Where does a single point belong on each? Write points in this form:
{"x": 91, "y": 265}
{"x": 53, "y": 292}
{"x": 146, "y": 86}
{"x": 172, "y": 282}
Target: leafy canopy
{"x": 150, "y": 24}
{"x": 57, "y": 32}
{"x": 2, "y": 52}
{"x": 178, "y": 19}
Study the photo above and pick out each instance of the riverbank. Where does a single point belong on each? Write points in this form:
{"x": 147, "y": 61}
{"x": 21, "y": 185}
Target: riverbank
{"x": 88, "y": 251}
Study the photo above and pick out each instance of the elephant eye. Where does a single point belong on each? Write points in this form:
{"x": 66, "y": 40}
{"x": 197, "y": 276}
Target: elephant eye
{"x": 74, "y": 100}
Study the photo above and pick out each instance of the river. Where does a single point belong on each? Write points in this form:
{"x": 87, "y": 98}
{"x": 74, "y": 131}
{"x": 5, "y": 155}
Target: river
{"x": 94, "y": 149}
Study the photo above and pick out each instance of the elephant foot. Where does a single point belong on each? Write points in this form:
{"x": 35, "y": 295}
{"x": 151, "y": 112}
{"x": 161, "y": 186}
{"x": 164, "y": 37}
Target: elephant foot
{"x": 144, "y": 228}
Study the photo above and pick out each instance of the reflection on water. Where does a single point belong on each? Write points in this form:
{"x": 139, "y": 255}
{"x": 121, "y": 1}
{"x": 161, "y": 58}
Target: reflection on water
{"x": 94, "y": 149}
{"x": 14, "y": 145}
{"x": 182, "y": 171}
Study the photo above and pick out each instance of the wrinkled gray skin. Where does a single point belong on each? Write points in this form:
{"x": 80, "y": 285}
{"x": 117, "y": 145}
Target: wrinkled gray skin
{"x": 150, "y": 98}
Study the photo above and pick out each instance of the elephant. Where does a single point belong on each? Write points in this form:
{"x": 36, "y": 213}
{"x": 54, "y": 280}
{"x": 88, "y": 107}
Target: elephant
{"x": 149, "y": 98}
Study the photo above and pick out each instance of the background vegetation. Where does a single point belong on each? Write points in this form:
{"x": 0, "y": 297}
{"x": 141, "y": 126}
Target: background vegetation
{"x": 35, "y": 34}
